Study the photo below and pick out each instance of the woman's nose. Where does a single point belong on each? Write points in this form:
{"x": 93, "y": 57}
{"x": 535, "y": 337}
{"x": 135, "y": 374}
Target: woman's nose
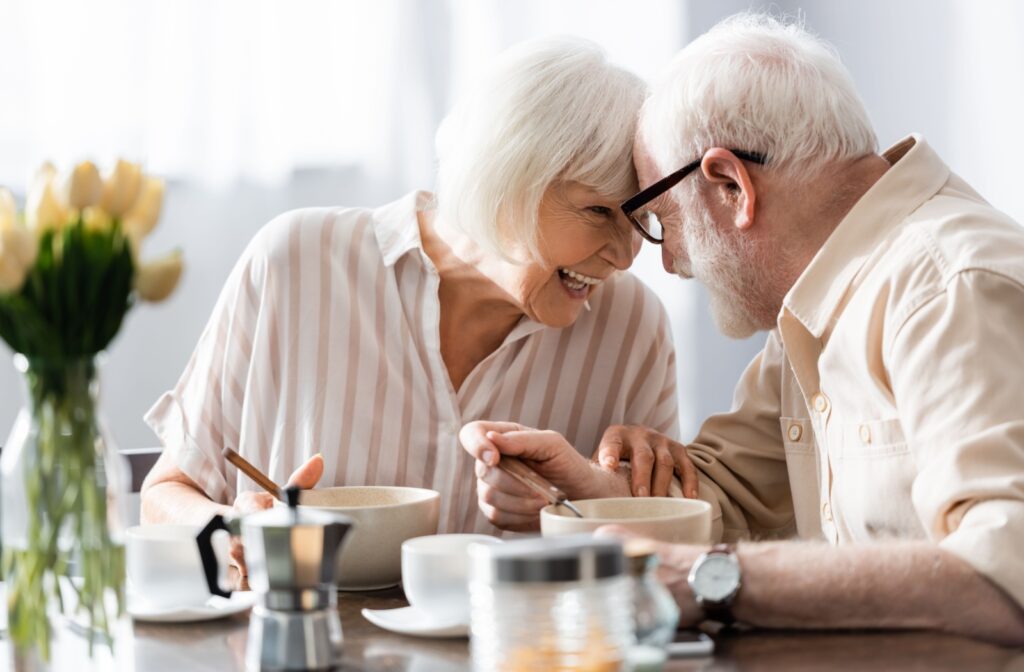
{"x": 624, "y": 245}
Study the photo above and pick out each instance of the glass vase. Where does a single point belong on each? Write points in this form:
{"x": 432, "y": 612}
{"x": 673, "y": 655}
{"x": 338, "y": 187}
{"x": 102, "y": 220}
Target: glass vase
{"x": 64, "y": 510}
{"x": 655, "y": 614}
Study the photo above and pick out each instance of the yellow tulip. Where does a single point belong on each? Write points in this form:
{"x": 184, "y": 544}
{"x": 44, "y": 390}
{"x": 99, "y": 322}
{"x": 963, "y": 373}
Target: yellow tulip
{"x": 96, "y": 219}
{"x": 8, "y": 209}
{"x": 156, "y": 280}
{"x": 44, "y": 208}
{"x": 142, "y": 218}
{"x": 11, "y": 275}
{"x": 83, "y": 186}
{"x": 121, "y": 188}
{"x": 18, "y": 248}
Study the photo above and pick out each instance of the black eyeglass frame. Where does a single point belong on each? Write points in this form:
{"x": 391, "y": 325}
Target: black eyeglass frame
{"x": 664, "y": 184}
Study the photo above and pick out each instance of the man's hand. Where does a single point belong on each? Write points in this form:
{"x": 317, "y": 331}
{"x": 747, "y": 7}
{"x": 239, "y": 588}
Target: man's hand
{"x": 654, "y": 459}
{"x": 507, "y": 503}
{"x": 305, "y": 477}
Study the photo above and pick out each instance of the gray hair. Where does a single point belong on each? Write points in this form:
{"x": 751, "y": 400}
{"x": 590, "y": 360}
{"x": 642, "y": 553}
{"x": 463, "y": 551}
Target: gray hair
{"x": 759, "y": 84}
{"x": 550, "y": 110}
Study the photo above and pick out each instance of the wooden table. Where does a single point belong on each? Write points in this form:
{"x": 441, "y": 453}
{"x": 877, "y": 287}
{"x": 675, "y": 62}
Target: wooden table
{"x": 219, "y": 646}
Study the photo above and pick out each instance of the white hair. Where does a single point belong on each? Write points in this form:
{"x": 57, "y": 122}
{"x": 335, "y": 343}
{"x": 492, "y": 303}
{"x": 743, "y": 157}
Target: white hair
{"x": 550, "y": 110}
{"x": 758, "y": 84}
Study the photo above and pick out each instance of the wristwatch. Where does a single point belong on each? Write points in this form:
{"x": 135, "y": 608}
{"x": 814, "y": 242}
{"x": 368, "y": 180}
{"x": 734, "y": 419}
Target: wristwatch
{"x": 715, "y": 580}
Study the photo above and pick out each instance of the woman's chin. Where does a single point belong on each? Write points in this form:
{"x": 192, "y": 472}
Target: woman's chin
{"x": 559, "y": 319}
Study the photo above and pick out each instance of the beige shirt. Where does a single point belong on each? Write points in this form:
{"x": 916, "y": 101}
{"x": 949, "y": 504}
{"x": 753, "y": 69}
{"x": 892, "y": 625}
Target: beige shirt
{"x": 885, "y": 404}
{"x": 326, "y": 339}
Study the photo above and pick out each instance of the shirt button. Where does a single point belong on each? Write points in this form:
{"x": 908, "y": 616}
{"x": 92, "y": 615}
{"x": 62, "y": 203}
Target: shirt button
{"x": 795, "y": 431}
{"x": 452, "y": 428}
{"x": 826, "y": 511}
{"x": 865, "y": 434}
{"x": 820, "y": 403}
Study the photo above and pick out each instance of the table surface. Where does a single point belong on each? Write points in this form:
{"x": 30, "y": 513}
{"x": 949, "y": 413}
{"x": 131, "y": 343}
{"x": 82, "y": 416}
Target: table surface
{"x": 218, "y": 646}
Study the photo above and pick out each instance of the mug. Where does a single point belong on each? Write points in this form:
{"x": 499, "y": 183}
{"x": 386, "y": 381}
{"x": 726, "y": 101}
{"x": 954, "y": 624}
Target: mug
{"x": 435, "y": 573}
{"x": 163, "y": 565}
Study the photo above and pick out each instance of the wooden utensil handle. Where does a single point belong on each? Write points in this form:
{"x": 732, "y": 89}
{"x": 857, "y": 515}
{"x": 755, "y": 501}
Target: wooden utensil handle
{"x": 531, "y": 479}
{"x": 252, "y": 472}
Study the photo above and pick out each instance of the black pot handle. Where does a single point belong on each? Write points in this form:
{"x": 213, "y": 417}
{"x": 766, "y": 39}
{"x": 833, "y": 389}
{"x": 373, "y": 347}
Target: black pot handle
{"x": 210, "y": 565}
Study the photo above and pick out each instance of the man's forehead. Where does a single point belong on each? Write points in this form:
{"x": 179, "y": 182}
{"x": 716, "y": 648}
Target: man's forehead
{"x": 646, "y": 168}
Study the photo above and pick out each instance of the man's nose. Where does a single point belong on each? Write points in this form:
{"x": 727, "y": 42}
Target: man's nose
{"x": 667, "y": 260}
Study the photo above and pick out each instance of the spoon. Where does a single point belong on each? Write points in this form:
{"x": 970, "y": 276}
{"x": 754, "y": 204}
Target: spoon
{"x": 531, "y": 479}
{"x": 252, "y": 472}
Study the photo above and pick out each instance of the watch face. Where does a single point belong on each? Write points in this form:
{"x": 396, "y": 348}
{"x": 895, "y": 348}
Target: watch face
{"x": 717, "y": 577}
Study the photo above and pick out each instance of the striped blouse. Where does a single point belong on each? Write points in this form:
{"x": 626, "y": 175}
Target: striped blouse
{"x": 325, "y": 339}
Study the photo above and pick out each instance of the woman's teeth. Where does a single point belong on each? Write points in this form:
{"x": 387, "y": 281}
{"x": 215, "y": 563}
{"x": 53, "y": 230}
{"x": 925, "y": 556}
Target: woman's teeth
{"x": 576, "y": 281}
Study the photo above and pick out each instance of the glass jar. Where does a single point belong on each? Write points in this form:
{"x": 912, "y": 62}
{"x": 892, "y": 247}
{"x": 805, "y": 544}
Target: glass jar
{"x": 65, "y": 497}
{"x": 557, "y": 605}
{"x": 655, "y": 613}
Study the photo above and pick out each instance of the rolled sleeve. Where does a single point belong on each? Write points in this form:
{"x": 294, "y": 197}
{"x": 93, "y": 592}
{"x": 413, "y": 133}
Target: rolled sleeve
{"x": 170, "y": 422}
{"x": 982, "y": 538}
{"x": 956, "y": 364}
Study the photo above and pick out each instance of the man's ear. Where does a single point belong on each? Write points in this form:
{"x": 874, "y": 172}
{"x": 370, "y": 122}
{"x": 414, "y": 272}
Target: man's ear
{"x": 722, "y": 166}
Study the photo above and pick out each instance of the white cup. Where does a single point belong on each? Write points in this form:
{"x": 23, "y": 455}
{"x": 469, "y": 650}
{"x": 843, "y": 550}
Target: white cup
{"x": 435, "y": 573}
{"x": 164, "y": 569}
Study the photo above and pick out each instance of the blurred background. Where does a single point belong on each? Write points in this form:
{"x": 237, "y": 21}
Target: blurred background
{"x": 253, "y": 107}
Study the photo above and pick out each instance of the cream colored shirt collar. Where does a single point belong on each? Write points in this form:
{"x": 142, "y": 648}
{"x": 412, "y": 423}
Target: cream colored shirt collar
{"x": 917, "y": 174}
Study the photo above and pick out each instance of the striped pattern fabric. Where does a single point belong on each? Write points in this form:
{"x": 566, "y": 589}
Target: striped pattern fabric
{"x": 326, "y": 339}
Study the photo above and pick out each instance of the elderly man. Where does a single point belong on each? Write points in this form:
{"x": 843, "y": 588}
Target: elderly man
{"x": 879, "y": 423}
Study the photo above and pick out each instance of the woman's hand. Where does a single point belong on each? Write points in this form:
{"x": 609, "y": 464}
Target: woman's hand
{"x": 507, "y": 503}
{"x": 654, "y": 459}
{"x": 305, "y": 477}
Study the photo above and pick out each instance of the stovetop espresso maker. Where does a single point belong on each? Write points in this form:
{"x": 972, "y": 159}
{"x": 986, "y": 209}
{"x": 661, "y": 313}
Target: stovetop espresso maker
{"x": 290, "y": 556}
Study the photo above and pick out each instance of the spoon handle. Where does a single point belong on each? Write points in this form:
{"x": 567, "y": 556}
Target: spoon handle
{"x": 531, "y": 479}
{"x": 252, "y": 472}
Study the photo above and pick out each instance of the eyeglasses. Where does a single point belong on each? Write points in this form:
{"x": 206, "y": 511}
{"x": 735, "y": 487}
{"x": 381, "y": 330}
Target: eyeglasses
{"x": 645, "y": 221}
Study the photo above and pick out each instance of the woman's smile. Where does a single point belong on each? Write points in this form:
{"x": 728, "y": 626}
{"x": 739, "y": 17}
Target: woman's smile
{"x": 576, "y": 284}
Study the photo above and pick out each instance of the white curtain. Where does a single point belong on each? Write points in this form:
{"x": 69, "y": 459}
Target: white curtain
{"x": 211, "y": 91}
{"x": 221, "y": 90}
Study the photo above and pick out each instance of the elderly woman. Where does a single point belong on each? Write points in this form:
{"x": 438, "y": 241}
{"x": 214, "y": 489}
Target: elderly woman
{"x": 350, "y": 345}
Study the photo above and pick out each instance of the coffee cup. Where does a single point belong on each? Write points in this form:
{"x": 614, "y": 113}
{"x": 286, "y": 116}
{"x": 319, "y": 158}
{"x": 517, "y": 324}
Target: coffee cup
{"x": 435, "y": 573}
{"x": 164, "y": 569}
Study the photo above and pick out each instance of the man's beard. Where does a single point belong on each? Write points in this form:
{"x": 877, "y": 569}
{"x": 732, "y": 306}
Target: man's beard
{"x": 734, "y": 272}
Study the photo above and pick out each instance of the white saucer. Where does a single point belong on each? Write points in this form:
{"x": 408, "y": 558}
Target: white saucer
{"x": 214, "y": 608}
{"x": 415, "y": 622}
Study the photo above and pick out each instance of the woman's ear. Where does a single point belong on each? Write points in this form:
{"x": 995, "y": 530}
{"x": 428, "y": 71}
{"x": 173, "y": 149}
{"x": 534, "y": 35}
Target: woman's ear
{"x": 725, "y": 168}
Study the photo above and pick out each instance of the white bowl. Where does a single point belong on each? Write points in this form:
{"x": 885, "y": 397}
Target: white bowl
{"x": 384, "y": 516}
{"x": 669, "y": 519}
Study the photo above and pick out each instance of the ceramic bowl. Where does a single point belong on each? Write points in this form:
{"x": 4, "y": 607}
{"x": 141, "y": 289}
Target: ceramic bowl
{"x": 669, "y": 519}
{"x": 384, "y": 516}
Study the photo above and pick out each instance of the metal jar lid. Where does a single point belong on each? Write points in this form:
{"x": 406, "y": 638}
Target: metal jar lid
{"x": 548, "y": 560}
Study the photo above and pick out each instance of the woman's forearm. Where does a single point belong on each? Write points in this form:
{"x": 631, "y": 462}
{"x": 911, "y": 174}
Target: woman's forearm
{"x": 174, "y": 502}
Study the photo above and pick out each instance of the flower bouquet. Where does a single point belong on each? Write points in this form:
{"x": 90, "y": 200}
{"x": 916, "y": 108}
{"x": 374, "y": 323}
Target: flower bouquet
{"x": 69, "y": 272}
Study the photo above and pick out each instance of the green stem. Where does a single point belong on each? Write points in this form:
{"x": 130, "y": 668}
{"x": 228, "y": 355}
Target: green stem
{"x": 66, "y": 496}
